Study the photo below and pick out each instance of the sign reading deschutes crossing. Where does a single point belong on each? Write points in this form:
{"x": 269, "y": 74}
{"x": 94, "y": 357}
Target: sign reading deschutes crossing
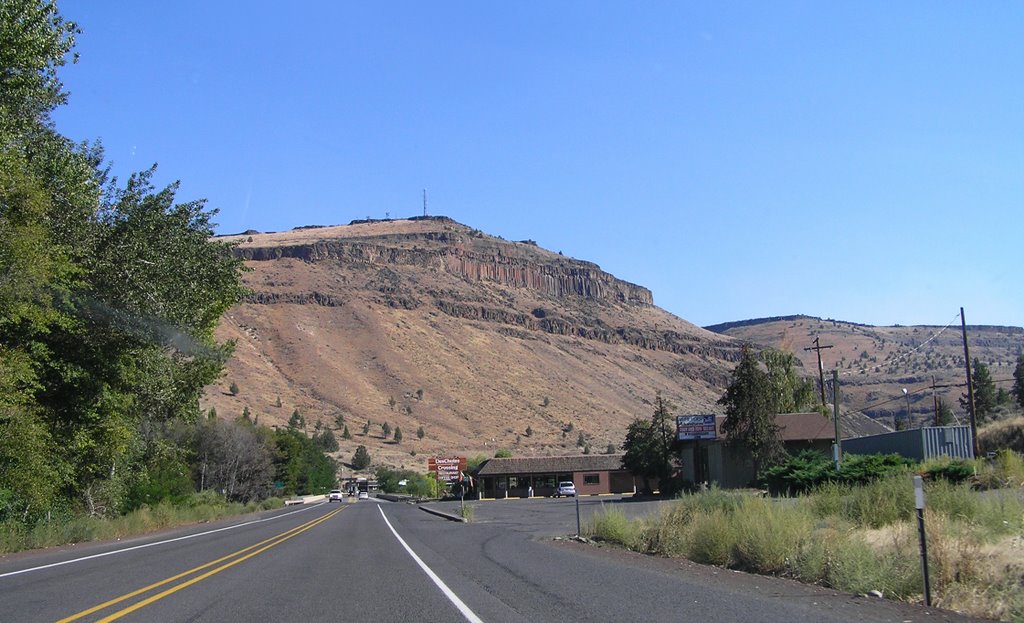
{"x": 447, "y": 469}
{"x": 695, "y": 427}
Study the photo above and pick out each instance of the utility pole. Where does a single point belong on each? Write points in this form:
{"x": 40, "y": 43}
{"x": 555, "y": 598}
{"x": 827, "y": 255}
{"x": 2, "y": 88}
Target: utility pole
{"x": 821, "y": 371}
{"x": 424, "y": 202}
{"x": 970, "y": 385}
{"x": 935, "y": 401}
{"x": 835, "y": 411}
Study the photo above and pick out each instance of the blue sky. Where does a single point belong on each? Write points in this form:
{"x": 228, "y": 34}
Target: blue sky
{"x": 862, "y": 161}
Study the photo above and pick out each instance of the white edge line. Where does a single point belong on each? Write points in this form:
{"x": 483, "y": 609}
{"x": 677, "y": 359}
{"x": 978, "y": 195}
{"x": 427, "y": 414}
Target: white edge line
{"x": 128, "y": 549}
{"x": 463, "y": 608}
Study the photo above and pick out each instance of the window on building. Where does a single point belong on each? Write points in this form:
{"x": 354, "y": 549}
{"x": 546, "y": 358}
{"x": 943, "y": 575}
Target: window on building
{"x": 591, "y": 479}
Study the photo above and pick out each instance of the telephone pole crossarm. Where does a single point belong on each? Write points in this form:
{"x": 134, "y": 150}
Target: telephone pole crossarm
{"x": 821, "y": 370}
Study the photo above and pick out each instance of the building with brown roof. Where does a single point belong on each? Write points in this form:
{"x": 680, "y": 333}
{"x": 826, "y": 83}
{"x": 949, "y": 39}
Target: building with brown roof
{"x": 591, "y": 473}
{"x": 715, "y": 461}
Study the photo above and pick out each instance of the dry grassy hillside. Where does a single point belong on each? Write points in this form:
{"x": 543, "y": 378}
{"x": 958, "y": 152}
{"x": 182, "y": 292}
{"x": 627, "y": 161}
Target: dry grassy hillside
{"x": 428, "y": 323}
{"x": 875, "y": 364}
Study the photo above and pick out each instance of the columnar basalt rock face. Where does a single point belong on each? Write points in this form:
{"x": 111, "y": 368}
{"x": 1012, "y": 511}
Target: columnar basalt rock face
{"x": 562, "y": 278}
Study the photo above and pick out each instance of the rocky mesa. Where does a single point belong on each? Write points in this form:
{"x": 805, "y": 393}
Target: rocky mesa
{"x": 478, "y": 343}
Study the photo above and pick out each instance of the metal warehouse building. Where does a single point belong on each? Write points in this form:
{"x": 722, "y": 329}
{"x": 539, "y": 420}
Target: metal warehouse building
{"x": 918, "y": 443}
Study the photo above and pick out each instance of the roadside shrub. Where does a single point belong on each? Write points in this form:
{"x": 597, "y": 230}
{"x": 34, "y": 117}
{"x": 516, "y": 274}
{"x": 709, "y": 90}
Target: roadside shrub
{"x": 712, "y": 537}
{"x": 861, "y": 469}
{"x": 816, "y": 561}
{"x": 798, "y": 474}
{"x": 881, "y": 502}
{"x": 1006, "y": 470}
{"x": 611, "y": 525}
{"x": 827, "y": 499}
{"x": 667, "y": 533}
{"x": 714, "y": 499}
{"x": 892, "y": 567}
{"x": 955, "y": 501}
{"x": 768, "y": 535}
{"x": 1000, "y": 513}
{"x": 954, "y": 471}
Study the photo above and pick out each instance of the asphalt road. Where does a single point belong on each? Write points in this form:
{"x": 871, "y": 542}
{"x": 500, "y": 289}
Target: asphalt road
{"x": 378, "y": 561}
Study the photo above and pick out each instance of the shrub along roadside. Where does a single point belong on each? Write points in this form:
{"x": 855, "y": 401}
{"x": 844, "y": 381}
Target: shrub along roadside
{"x": 199, "y": 507}
{"x": 851, "y": 538}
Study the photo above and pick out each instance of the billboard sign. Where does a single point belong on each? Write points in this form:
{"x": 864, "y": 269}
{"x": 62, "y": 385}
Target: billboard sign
{"x": 447, "y": 469}
{"x": 690, "y": 427}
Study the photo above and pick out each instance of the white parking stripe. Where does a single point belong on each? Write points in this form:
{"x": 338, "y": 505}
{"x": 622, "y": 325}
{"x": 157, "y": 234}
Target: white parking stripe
{"x": 452, "y": 597}
{"x": 128, "y": 549}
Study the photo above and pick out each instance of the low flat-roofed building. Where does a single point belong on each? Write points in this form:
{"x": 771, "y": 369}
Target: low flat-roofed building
{"x": 715, "y": 461}
{"x": 591, "y": 473}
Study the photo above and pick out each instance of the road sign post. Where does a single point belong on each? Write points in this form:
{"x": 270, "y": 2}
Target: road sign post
{"x": 919, "y": 506}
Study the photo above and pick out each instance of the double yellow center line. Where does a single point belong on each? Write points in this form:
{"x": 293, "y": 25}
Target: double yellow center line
{"x": 228, "y": 561}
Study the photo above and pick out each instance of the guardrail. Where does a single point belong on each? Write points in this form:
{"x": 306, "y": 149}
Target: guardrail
{"x": 306, "y": 499}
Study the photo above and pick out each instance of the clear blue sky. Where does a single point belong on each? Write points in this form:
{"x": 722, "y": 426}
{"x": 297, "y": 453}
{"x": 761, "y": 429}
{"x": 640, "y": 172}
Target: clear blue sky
{"x": 862, "y": 161}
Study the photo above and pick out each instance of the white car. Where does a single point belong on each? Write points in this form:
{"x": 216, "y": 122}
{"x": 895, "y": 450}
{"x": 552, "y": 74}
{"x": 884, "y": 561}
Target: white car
{"x": 335, "y": 496}
{"x": 363, "y": 495}
{"x": 566, "y": 488}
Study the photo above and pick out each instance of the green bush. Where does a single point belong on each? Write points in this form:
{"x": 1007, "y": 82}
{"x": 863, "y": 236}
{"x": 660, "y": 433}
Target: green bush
{"x": 954, "y": 471}
{"x": 798, "y": 474}
{"x": 1006, "y": 470}
{"x": 858, "y": 568}
{"x": 768, "y": 535}
{"x": 881, "y": 502}
{"x": 860, "y": 469}
{"x": 611, "y": 525}
{"x": 712, "y": 537}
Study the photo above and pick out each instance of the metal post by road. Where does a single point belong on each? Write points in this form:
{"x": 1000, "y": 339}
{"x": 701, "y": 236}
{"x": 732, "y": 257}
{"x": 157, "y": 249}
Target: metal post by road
{"x": 835, "y": 416}
{"x": 577, "y": 497}
{"x": 919, "y": 506}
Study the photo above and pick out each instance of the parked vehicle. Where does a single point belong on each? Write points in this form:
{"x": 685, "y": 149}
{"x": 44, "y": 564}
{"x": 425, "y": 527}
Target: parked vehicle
{"x": 565, "y": 488}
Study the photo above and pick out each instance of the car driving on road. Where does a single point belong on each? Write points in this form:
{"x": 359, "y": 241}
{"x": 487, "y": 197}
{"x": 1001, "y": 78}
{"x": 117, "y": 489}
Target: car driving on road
{"x": 565, "y": 488}
{"x": 335, "y": 496}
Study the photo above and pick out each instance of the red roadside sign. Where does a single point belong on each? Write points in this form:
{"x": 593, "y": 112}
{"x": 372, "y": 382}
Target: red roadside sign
{"x": 447, "y": 469}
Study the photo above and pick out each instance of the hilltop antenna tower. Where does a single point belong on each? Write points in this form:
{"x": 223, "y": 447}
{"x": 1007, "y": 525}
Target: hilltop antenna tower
{"x": 424, "y": 202}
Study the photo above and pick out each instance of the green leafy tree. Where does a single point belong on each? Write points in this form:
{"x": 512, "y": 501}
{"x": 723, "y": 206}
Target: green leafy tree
{"x": 529, "y": 431}
{"x": 398, "y": 434}
{"x": 750, "y": 410}
{"x": 110, "y": 294}
{"x": 233, "y": 389}
{"x": 296, "y": 421}
{"x": 385, "y": 428}
{"x": 1018, "y": 381}
{"x": 361, "y": 458}
{"x": 366, "y": 428}
{"x": 611, "y": 449}
{"x": 339, "y": 420}
{"x": 503, "y": 453}
{"x": 790, "y": 393}
{"x": 648, "y": 446}
{"x": 345, "y": 434}
{"x": 420, "y": 433}
{"x": 301, "y": 465}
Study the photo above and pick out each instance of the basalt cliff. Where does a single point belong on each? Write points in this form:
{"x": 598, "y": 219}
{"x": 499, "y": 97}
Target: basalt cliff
{"x": 465, "y": 342}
